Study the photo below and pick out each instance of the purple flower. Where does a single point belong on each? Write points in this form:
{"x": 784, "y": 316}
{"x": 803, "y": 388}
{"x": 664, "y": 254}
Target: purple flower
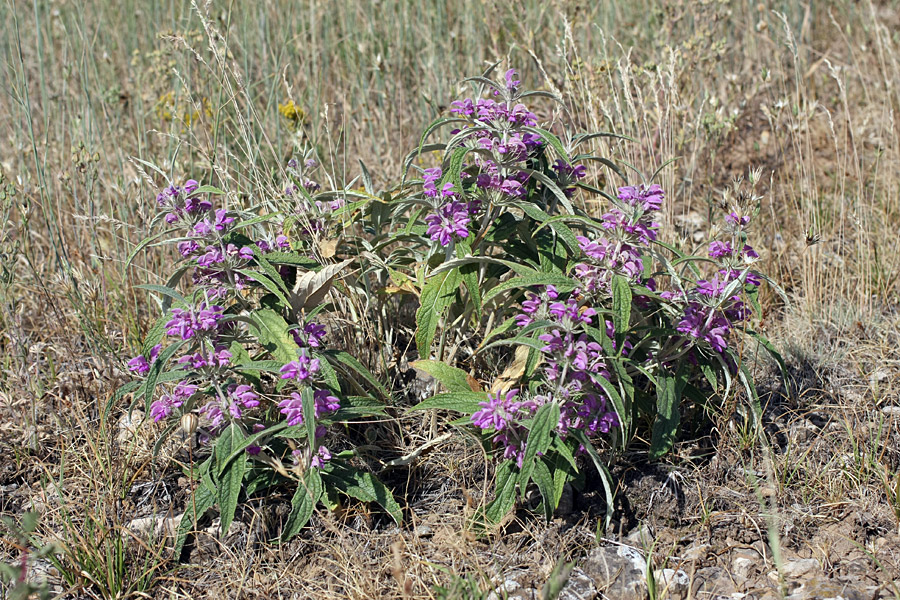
{"x": 213, "y": 413}
{"x": 300, "y": 369}
{"x": 325, "y": 402}
{"x": 737, "y": 221}
{"x": 292, "y": 407}
{"x": 512, "y": 84}
{"x": 162, "y": 408}
{"x": 719, "y": 249}
{"x": 187, "y": 323}
{"x": 701, "y": 323}
{"x": 449, "y": 220}
{"x": 222, "y": 220}
{"x": 139, "y": 365}
{"x": 321, "y": 457}
{"x": 648, "y": 198}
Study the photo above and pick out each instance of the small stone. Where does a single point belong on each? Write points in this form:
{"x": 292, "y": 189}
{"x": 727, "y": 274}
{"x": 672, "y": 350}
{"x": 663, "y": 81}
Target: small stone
{"x": 742, "y": 568}
{"x": 504, "y": 589}
{"x": 819, "y": 589}
{"x": 671, "y": 583}
{"x": 424, "y": 531}
{"x": 159, "y": 526}
{"x": 578, "y": 587}
{"x": 714, "y": 581}
{"x": 800, "y": 568}
{"x": 696, "y": 552}
{"x": 617, "y": 572}
{"x": 640, "y": 536}
{"x": 891, "y": 411}
{"x": 128, "y": 425}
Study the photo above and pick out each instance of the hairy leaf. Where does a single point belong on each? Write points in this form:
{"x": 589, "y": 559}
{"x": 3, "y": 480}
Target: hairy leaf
{"x": 437, "y": 294}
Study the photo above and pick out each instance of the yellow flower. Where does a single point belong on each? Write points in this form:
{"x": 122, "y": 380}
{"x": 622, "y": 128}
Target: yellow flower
{"x": 294, "y": 115}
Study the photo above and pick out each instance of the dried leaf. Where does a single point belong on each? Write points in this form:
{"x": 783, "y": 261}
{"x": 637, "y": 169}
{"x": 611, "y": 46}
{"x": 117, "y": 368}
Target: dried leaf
{"x": 511, "y": 375}
{"x": 311, "y": 287}
{"x": 473, "y": 383}
{"x": 327, "y": 248}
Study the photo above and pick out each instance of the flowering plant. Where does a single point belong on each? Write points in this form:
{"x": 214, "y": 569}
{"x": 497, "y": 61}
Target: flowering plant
{"x": 614, "y": 327}
{"x": 241, "y": 360}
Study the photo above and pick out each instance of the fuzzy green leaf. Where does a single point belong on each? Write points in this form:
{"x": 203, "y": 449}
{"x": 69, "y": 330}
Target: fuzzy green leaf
{"x": 308, "y": 493}
{"x": 461, "y": 402}
{"x": 455, "y": 380}
{"x": 437, "y": 294}
{"x": 668, "y": 414}
{"x": 231, "y": 473}
{"x": 275, "y": 336}
{"x": 505, "y": 492}
{"x": 201, "y": 501}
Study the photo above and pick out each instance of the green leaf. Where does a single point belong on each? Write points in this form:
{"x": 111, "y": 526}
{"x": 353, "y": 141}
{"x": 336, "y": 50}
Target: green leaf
{"x": 275, "y": 336}
{"x": 327, "y": 371}
{"x": 366, "y": 487}
{"x": 275, "y": 287}
{"x": 469, "y": 274}
{"x": 453, "y": 169}
{"x": 603, "y": 471}
{"x": 350, "y": 361}
{"x": 308, "y": 493}
{"x": 292, "y": 259}
{"x": 551, "y": 139}
{"x": 155, "y": 334}
{"x": 621, "y": 295}
{"x": 563, "y": 284}
{"x": 309, "y": 414}
{"x": 455, "y": 380}
{"x": 668, "y": 414}
{"x": 540, "y": 436}
{"x": 201, "y": 501}
{"x": 156, "y": 368}
{"x": 437, "y": 294}
{"x": 461, "y": 402}
{"x": 209, "y": 189}
{"x": 120, "y": 393}
{"x": 505, "y": 493}
{"x": 544, "y": 480}
{"x": 231, "y": 473}
{"x": 747, "y": 379}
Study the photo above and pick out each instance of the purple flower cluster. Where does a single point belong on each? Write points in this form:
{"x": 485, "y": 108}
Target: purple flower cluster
{"x": 498, "y": 130}
{"x": 629, "y": 228}
{"x": 303, "y": 371}
{"x": 568, "y": 175}
{"x": 163, "y": 407}
{"x": 505, "y": 414}
{"x": 183, "y": 203}
{"x": 451, "y": 219}
{"x": 202, "y": 319}
{"x": 574, "y": 364}
{"x": 292, "y": 407}
{"x": 140, "y": 365}
{"x": 709, "y": 315}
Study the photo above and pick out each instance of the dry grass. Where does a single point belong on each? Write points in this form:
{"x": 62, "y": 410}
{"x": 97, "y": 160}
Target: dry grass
{"x": 808, "y": 94}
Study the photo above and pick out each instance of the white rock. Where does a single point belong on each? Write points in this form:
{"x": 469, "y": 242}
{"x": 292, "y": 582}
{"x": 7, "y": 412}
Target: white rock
{"x": 510, "y": 585}
{"x": 743, "y": 567}
{"x": 800, "y": 568}
{"x": 671, "y": 583}
{"x": 156, "y": 525}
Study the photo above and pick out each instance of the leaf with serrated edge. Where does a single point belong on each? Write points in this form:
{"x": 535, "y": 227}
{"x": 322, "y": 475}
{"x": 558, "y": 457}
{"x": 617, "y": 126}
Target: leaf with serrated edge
{"x": 437, "y": 295}
{"x": 461, "y": 402}
{"x": 455, "y": 380}
{"x": 231, "y": 474}
{"x": 308, "y": 493}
